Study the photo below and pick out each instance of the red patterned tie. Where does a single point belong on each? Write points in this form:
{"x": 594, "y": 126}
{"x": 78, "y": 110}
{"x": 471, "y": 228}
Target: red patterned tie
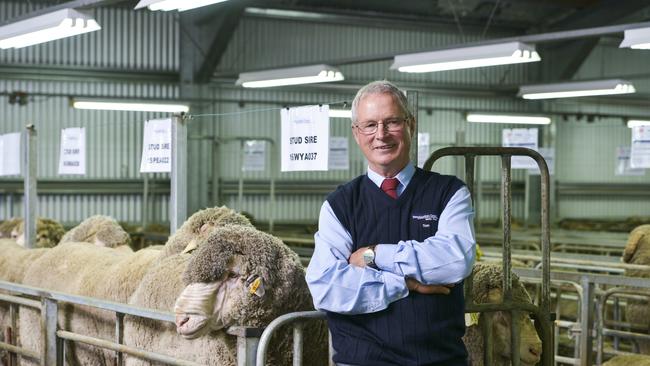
{"x": 389, "y": 185}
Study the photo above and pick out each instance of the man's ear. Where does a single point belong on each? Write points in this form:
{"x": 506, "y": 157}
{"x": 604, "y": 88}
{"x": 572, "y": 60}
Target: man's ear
{"x": 355, "y": 134}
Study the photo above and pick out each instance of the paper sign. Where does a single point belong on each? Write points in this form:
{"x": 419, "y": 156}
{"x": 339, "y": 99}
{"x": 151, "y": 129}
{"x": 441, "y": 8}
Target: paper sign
{"x": 72, "y": 154}
{"x": 305, "y": 138}
{"x": 423, "y": 148}
{"x": 640, "y": 153}
{"x": 254, "y": 156}
{"x": 339, "y": 158}
{"x": 157, "y": 146}
{"x": 623, "y": 163}
{"x": 10, "y": 154}
{"x": 521, "y": 137}
{"x": 548, "y": 153}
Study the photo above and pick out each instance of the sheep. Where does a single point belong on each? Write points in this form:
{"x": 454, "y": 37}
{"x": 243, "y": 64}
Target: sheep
{"x": 103, "y": 231}
{"x": 200, "y": 224}
{"x": 48, "y": 232}
{"x": 86, "y": 270}
{"x": 628, "y": 360}
{"x": 237, "y": 276}
{"x": 487, "y": 288}
{"x": 637, "y": 251}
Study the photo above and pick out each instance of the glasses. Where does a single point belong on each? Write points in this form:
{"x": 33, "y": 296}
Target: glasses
{"x": 391, "y": 125}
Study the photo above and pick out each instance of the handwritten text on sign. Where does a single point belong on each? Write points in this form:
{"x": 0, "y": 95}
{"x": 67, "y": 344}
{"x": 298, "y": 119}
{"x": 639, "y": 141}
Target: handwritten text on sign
{"x": 305, "y": 138}
{"x": 72, "y": 156}
{"x": 157, "y": 146}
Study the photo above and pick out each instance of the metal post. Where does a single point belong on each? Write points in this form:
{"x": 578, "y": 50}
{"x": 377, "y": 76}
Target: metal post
{"x": 506, "y": 197}
{"x": 297, "y": 343}
{"x": 412, "y": 98}
{"x": 30, "y": 205}
{"x": 247, "y": 341}
{"x": 273, "y": 167}
{"x": 215, "y": 172}
{"x": 119, "y": 337}
{"x": 49, "y": 312}
{"x": 178, "y": 198}
{"x": 144, "y": 216}
{"x": 240, "y": 185}
{"x": 13, "y": 314}
{"x": 586, "y": 321}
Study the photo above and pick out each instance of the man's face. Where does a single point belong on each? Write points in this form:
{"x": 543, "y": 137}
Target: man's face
{"x": 387, "y": 151}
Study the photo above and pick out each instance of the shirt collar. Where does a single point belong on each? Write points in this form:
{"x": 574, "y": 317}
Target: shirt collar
{"x": 404, "y": 176}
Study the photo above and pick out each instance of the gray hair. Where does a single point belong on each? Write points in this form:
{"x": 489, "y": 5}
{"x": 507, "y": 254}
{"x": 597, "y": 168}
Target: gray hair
{"x": 381, "y": 87}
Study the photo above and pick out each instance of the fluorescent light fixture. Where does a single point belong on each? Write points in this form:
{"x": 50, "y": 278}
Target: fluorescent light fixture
{"x": 637, "y": 122}
{"x": 508, "y": 118}
{"x": 47, "y": 27}
{"x": 340, "y": 113}
{"x": 576, "y": 89}
{"x": 290, "y": 76}
{"x": 126, "y": 105}
{"x": 636, "y": 38}
{"x": 180, "y": 5}
{"x": 466, "y": 57}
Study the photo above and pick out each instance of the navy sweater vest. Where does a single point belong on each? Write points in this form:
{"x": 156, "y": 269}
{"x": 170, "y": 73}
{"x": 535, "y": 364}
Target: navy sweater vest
{"x": 416, "y": 330}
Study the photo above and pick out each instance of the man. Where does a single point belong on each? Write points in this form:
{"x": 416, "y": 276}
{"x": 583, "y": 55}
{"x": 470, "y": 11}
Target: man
{"x": 391, "y": 254}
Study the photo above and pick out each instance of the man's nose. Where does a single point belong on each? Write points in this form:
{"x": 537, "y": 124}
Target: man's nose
{"x": 381, "y": 130}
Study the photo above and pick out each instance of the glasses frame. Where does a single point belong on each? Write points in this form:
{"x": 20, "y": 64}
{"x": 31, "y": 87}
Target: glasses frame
{"x": 403, "y": 121}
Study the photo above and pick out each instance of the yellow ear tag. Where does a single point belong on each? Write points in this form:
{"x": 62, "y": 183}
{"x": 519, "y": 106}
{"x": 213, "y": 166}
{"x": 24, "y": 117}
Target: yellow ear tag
{"x": 471, "y": 319}
{"x": 257, "y": 287}
{"x": 190, "y": 247}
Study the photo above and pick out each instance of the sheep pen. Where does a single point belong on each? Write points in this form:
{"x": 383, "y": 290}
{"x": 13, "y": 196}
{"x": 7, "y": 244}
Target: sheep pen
{"x": 487, "y": 288}
{"x": 637, "y": 251}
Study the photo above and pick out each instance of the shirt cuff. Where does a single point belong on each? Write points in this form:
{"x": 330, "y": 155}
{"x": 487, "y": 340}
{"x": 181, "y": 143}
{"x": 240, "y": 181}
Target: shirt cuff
{"x": 385, "y": 257}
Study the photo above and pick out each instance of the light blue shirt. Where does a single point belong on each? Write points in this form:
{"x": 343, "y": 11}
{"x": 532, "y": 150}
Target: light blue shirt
{"x": 445, "y": 258}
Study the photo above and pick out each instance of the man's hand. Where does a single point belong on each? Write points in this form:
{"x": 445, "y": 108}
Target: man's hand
{"x": 419, "y": 287}
{"x": 356, "y": 258}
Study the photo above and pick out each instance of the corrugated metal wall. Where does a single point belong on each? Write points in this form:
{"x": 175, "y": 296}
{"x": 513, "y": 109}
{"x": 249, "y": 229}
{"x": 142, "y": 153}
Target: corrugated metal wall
{"x": 148, "y": 41}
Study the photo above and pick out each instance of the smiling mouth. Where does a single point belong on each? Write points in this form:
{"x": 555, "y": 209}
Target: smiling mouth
{"x": 384, "y": 147}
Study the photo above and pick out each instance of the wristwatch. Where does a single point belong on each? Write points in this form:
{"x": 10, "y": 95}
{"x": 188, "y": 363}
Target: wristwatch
{"x": 369, "y": 257}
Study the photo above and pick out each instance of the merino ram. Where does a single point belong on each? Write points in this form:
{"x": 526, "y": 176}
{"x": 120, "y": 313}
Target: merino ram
{"x": 102, "y": 231}
{"x": 48, "y": 232}
{"x": 487, "y": 288}
{"x": 637, "y": 251}
{"x": 237, "y": 276}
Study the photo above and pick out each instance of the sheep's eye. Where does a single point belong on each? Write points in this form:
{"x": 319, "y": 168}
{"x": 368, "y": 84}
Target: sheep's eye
{"x": 232, "y": 274}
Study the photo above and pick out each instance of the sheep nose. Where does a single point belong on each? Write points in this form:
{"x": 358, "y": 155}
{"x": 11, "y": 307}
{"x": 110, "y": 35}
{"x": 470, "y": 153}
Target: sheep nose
{"x": 181, "y": 320}
{"x": 535, "y": 350}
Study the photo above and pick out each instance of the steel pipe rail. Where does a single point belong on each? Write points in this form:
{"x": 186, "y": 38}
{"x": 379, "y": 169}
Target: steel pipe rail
{"x": 20, "y": 301}
{"x": 277, "y": 323}
{"x": 70, "y": 336}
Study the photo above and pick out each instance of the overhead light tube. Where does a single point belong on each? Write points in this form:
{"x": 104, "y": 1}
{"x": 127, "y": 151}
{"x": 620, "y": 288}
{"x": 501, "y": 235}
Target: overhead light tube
{"x": 124, "y": 105}
{"x": 637, "y": 39}
{"x": 47, "y": 27}
{"x": 466, "y": 57}
{"x": 180, "y": 5}
{"x": 637, "y": 122}
{"x": 340, "y": 113}
{"x": 576, "y": 89}
{"x": 507, "y": 118}
{"x": 290, "y": 76}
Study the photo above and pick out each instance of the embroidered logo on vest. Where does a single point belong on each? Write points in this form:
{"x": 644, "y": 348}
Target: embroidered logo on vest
{"x": 425, "y": 219}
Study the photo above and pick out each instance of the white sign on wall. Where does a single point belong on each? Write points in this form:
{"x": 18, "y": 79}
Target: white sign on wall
{"x": 72, "y": 153}
{"x": 423, "y": 148}
{"x": 339, "y": 158}
{"x": 305, "y": 138}
{"x": 640, "y": 153}
{"x": 157, "y": 146}
{"x": 10, "y": 153}
{"x": 548, "y": 153}
{"x": 254, "y": 156}
{"x": 521, "y": 137}
{"x": 623, "y": 167}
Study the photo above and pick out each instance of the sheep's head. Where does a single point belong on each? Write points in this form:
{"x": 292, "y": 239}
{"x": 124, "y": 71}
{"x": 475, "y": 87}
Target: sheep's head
{"x": 48, "y": 233}
{"x": 196, "y": 228}
{"x": 238, "y": 276}
{"x": 637, "y": 243}
{"x": 487, "y": 288}
{"x": 103, "y": 231}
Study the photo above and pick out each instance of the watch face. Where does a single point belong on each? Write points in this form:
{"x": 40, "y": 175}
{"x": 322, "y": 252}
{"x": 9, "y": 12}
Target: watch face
{"x": 368, "y": 256}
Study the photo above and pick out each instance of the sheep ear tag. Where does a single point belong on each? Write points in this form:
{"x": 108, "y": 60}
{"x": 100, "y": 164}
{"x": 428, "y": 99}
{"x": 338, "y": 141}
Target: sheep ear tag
{"x": 255, "y": 285}
{"x": 190, "y": 247}
{"x": 471, "y": 319}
